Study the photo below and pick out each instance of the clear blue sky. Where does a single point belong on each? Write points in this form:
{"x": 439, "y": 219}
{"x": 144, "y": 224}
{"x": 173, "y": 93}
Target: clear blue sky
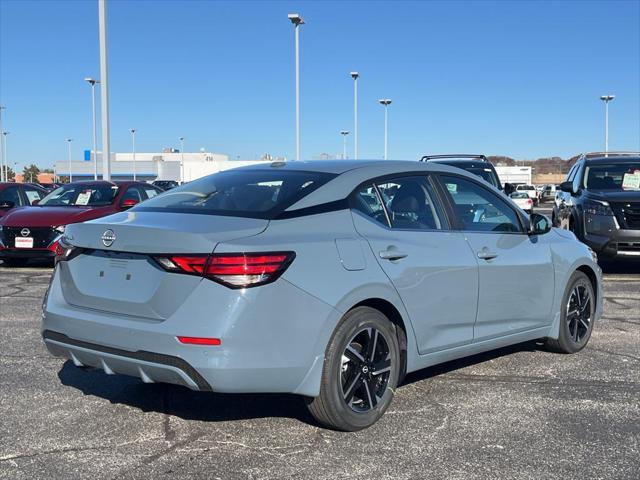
{"x": 512, "y": 78}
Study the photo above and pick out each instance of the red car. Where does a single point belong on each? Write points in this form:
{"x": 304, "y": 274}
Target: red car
{"x": 33, "y": 232}
{"x": 14, "y": 195}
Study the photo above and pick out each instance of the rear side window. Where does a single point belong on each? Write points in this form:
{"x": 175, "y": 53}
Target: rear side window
{"x": 242, "y": 193}
{"x": 406, "y": 203}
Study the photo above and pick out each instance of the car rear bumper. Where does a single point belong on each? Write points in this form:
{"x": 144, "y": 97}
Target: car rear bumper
{"x": 272, "y": 339}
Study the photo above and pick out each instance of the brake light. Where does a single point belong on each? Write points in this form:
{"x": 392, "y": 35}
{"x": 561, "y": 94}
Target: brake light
{"x": 234, "y": 270}
{"x": 529, "y": 201}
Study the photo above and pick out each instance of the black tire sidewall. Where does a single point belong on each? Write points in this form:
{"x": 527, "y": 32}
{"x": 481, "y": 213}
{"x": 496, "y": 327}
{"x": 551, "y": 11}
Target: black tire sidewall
{"x": 566, "y": 343}
{"x": 354, "y": 321}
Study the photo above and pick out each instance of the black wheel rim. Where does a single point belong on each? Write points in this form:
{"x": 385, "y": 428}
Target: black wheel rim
{"x": 366, "y": 368}
{"x": 579, "y": 313}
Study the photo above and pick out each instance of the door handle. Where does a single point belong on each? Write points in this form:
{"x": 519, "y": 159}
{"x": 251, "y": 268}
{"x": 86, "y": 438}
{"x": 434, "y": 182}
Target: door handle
{"x": 392, "y": 254}
{"x": 485, "y": 254}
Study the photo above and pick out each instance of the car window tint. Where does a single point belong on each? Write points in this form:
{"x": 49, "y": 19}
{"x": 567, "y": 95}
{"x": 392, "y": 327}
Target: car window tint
{"x": 150, "y": 191}
{"x": 33, "y": 194}
{"x": 479, "y": 209}
{"x": 409, "y": 203}
{"x": 10, "y": 194}
{"x": 132, "y": 193}
{"x": 258, "y": 193}
{"x": 367, "y": 201}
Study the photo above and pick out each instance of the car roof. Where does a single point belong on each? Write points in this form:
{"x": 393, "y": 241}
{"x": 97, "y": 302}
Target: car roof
{"x": 351, "y": 173}
{"x": 612, "y": 159}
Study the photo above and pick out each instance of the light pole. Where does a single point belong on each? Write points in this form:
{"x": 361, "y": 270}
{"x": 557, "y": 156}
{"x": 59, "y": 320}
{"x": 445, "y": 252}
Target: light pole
{"x": 104, "y": 90}
{"x": 92, "y": 82}
{"x": 4, "y": 155}
{"x": 181, "y": 160}
{"x": 69, "y": 140}
{"x": 344, "y": 134}
{"x": 355, "y": 76}
{"x": 133, "y": 149}
{"x": 606, "y": 99}
{"x": 297, "y": 20}
{"x": 385, "y": 102}
{"x": 3, "y": 169}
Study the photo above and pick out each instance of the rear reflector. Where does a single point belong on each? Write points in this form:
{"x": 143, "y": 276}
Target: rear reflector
{"x": 235, "y": 270}
{"x": 199, "y": 340}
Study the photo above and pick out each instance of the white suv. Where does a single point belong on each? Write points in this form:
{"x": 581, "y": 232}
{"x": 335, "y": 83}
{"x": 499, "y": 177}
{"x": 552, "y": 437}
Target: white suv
{"x": 529, "y": 190}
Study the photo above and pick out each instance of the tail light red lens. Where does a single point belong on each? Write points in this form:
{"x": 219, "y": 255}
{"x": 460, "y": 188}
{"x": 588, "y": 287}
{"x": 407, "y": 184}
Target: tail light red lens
{"x": 199, "y": 341}
{"x": 235, "y": 270}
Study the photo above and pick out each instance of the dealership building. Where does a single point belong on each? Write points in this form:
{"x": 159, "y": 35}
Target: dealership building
{"x": 151, "y": 166}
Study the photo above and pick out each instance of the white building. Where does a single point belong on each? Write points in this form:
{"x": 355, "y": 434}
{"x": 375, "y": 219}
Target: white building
{"x": 152, "y": 166}
{"x": 514, "y": 174}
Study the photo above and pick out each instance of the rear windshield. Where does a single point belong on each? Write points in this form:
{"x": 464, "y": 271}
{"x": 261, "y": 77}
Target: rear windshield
{"x": 240, "y": 193}
{"x": 526, "y": 187}
{"x": 621, "y": 176}
{"x": 80, "y": 195}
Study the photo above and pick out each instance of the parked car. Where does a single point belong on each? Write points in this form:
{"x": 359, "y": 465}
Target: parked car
{"x": 600, "y": 203}
{"x": 326, "y": 279}
{"x": 14, "y": 195}
{"x": 477, "y": 164}
{"x": 530, "y": 190}
{"x": 523, "y": 201}
{"x": 548, "y": 192}
{"x": 165, "y": 184}
{"x": 33, "y": 232}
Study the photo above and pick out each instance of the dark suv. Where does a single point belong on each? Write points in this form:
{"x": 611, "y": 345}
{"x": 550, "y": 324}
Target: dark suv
{"x": 475, "y": 163}
{"x": 600, "y": 203}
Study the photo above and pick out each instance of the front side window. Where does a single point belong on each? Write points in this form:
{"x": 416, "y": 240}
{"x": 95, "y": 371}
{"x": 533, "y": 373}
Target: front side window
{"x": 478, "y": 209}
{"x": 81, "y": 195}
{"x": 253, "y": 193}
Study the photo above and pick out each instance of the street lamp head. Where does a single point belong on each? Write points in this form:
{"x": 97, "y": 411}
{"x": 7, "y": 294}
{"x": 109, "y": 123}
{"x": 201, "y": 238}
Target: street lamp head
{"x": 384, "y": 101}
{"x": 296, "y": 19}
{"x": 132, "y": 130}
{"x": 181, "y": 139}
{"x": 91, "y": 81}
{"x": 607, "y": 98}
{"x": 344, "y": 132}
{"x": 69, "y": 140}
{"x": 5, "y": 133}
{"x": 354, "y": 75}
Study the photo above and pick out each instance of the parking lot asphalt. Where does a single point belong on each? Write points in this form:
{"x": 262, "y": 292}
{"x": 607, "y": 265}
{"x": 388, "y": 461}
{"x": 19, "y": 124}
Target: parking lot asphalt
{"x": 516, "y": 413}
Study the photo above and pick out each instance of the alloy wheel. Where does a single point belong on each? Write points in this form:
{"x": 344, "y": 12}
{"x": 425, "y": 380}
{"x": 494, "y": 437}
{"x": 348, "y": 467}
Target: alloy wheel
{"x": 366, "y": 367}
{"x": 579, "y": 313}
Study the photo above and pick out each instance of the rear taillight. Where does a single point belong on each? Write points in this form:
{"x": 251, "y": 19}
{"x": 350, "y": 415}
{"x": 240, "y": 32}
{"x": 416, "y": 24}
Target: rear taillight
{"x": 234, "y": 270}
{"x": 64, "y": 251}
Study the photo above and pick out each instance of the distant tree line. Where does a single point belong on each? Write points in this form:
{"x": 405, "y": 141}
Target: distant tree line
{"x": 542, "y": 165}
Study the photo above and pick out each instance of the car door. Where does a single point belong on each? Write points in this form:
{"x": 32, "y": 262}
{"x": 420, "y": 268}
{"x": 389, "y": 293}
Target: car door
{"x": 430, "y": 266}
{"x": 516, "y": 272}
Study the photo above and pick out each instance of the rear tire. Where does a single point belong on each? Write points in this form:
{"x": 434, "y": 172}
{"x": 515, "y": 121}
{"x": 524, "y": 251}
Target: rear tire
{"x": 360, "y": 373}
{"x": 14, "y": 262}
{"x": 576, "y": 317}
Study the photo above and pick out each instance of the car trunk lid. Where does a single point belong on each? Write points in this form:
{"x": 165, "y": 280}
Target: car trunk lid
{"x": 123, "y": 278}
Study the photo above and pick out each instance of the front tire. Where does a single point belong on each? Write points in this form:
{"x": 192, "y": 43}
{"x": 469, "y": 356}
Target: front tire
{"x": 576, "y": 316}
{"x": 360, "y": 373}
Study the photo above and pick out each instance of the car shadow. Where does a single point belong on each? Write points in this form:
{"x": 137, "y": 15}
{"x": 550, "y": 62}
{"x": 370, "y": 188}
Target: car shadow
{"x": 452, "y": 366}
{"x": 180, "y": 401}
{"x": 628, "y": 266}
{"x": 219, "y": 407}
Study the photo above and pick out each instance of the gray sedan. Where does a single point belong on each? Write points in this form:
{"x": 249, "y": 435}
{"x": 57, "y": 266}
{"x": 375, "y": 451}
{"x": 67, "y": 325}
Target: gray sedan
{"x": 330, "y": 280}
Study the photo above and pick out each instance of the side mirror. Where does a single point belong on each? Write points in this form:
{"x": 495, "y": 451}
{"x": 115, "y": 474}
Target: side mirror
{"x": 129, "y": 202}
{"x": 538, "y": 224}
{"x": 509, "y": 188}
{"x": 567, "y": 187}
{"x": 6, "y": 204}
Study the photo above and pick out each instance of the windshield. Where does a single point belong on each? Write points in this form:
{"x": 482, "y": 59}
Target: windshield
{"x": 241, "y": 193}
{"x": 519, "y": 195}
{"x": 525, "y": 187}
{"x": 621, "y": 176}
{"x": 80, "y": 195}
{"x": 487, "y": 174}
